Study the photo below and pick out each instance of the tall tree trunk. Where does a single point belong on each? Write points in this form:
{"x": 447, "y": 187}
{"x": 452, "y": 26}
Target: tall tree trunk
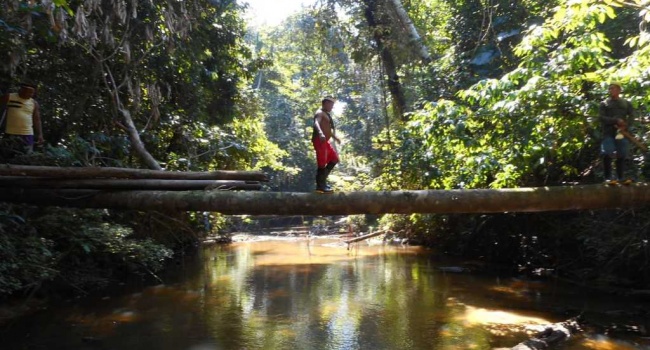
{"x": 587, "y": 197}
{"x": 390, "y": 67}
{"x": 384, "y": 110}
{"x": 415, "y": 40}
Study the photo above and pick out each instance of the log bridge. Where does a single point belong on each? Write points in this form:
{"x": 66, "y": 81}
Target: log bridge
{"x": 232, "y": 202}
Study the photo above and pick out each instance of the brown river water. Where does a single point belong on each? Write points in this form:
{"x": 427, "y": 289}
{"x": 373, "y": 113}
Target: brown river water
{"x": 317, "y": 294}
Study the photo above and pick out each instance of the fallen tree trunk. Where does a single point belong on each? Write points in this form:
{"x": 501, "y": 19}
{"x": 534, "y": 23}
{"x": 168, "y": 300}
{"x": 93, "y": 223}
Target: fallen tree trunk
{"x": 126, "y": 184}
{"x": 551, "y": 336}
{"x": 127, "y": 173}
{"x": 345, "y": 203}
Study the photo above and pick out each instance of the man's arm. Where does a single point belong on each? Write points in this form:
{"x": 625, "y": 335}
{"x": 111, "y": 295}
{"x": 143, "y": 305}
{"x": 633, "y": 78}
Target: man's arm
{"x": 334, "y": 135}
{"x": 604, "y": 118}
{"x": 3, "y": 110}
{"x": 631, "y": 113}
{"x": 36, "y": 119}
{"x": 3, "y": 102}
{"x": 317, "y": 121}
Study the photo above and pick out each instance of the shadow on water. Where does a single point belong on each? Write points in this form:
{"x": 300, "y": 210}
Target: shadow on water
{"x": 315, "y": 294}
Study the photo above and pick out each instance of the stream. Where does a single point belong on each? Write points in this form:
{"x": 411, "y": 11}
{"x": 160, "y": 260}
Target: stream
{"x": 318, "y": 294}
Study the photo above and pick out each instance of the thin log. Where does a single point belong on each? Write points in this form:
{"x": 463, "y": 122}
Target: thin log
{"x": 588, "y": 197}
{"x": 127, "y": 173}
{"x": 364, "y": 237}
{"x": 126, "y": 184}
{"x": 550, "y": 337}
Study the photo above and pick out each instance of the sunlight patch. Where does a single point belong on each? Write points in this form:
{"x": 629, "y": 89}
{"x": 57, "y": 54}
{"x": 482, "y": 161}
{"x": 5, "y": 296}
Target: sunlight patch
{"x": 475, "y": 315}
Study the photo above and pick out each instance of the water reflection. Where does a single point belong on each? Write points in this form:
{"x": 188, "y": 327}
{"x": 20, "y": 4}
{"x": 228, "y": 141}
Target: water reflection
{"x": 301, "y": 295}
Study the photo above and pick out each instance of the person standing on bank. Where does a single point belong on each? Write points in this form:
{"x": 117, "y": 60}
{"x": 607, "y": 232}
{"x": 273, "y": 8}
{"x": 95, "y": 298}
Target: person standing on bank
{"x": 23, "y": 117}
{"x": 615, "y": 114}
{"x": 326, "y": 157}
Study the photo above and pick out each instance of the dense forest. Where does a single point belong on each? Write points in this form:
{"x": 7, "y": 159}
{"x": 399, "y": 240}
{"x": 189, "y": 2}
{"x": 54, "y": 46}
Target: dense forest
{"x": 432, "y": 94}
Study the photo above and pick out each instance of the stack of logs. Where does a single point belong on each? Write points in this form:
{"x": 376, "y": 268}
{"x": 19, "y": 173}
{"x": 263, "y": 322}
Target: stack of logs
{"x": 125, "y": 179}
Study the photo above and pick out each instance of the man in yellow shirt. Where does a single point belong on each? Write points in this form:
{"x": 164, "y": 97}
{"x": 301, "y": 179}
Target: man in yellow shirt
{"x": 23, "y": 117}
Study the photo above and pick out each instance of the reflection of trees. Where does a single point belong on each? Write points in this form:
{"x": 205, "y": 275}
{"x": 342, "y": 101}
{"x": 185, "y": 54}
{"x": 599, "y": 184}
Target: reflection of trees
{"x": 243, "y": 297}
{"x": 380, "y": 300}
{"x": 383, "y": 301}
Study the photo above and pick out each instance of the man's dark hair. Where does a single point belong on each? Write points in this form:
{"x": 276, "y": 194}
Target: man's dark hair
{"x": 328, "y": 98}
{"x": 28, "y": 85}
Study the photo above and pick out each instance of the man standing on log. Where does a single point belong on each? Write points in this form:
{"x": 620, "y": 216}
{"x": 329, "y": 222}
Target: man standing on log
{"x": 615, "y": 114}
{"x": 326, "y": 157}
{"x": 22, "y": 117}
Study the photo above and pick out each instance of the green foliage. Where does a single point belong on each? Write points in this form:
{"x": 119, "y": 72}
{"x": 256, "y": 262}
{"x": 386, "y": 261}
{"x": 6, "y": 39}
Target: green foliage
{"x": 71, "y": 248}
{"x": 26, "y": 257}
{"x": 181, "y": 70}
{"x": 602, "y": 247}
{"x": 185, "y": 86}
{"x": 613, "y": 248}
{"x": 86, "y": 241}
{"x": 531, "y": 125}
{"x": 97, "y": 150}
{"x": 484, "y": 33}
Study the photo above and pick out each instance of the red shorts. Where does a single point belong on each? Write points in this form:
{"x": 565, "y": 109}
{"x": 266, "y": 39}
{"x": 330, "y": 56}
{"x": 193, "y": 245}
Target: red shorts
{"x": 325, "y": 153}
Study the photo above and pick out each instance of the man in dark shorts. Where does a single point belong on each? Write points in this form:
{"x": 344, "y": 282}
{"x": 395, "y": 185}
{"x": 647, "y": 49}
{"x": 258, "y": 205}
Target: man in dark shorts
{"x": 22, "y": 117}
{"x": 326, "y": 156}
{"x": 615, "y": 114}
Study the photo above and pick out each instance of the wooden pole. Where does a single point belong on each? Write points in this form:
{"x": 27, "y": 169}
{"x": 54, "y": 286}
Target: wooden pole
{"x": 634, "y": 140}
{"x": 588, "y": 197}
{"x": 126, "y": 184}
{"x": 127, "y": 173}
